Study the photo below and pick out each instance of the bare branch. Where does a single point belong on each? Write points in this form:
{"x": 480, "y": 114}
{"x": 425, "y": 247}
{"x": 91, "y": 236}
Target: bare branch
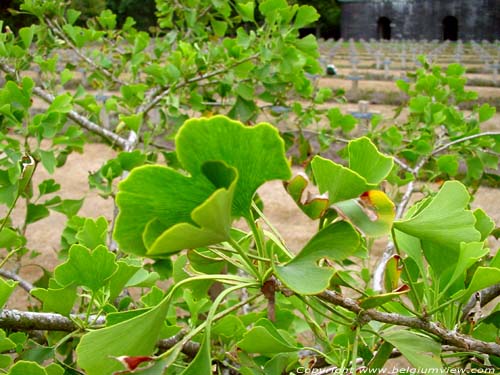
{"x": 156, "y": 95}
{"x": 85, "y": 122}
{"x": 484, "y": 297}
{"x": 190, "y": 348}
{"x": 464, "y": 139}
{"x": 36, "y": 321}
{"x": 378, "y": 273}
{"x": 76, "y": 117}
{"x": 29, "y": 321}
{"x": 448, "y": 337}
{"x": 61, "y": 34}
{"x": 26, "y": 285}
{"x": 400, "y": 210}
{"x": 402, "y": 164}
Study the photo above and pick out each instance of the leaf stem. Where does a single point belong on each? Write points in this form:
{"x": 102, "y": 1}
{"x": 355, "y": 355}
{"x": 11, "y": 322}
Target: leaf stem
{"x": 202, "y": 326}
{"x": 272, "y": 228}
{"x": 232, "y": 251}
{"x": 242, "y": 253}
{"x": 9, "y": 255}
{"x": 355, "y": 350}
{"x": 464, "y": 139}
{"x": 259, "y": 241}
{"x": 408, "y": 277}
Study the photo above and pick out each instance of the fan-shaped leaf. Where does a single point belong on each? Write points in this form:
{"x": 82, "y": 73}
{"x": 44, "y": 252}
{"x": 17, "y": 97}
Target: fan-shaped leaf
{"x": 257, "y": 153}
{"x": 163, "y": 211}
{"x": 303, "y": 274}
{"x": 373, "y": 212}
{"x": 445, "y": 219}
{"x": 138, "y": 337}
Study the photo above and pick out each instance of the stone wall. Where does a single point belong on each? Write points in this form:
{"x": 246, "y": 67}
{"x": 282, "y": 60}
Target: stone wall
{"x": 421, "y": 19}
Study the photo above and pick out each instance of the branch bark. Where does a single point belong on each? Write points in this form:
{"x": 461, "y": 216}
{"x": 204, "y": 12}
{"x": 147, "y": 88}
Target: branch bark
{"x": 447, "y": 337}
{"x": 73, "y": 115}
{"x": 56, "y": 29}
{"x": 485, "y": 296}
{"x": 37, "y": 321}
{"x": 26, "y": 285}
{"x": 464, "y": 139}
{"x": 159, "y": 93}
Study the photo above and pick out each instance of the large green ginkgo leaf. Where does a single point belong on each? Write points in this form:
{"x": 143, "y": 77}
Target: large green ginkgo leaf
{"x": 257, "y": 153}
{"x": 87, "y": 268}
{"x": 303, "y": 274}
{"x": 163, "y": 211}
{"x": 421, "y": 351}
{"x": 98, "y": 349}
{"x": 367, "y": 161}
{"x": 339, "y": 182}
{"x": 444, "y": 220}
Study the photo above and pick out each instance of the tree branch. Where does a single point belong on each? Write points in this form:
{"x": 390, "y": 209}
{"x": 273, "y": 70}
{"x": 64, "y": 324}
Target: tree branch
{"x": 400, "y": 209}
{"x": 448, "y": 337}
{"x": 36, "y": 321}
{"x": 60, "y": 32}
{"x": 483, "y": 297}
{"x": 26, "y": 285}
{"x": 73, "y": 115}
{"x": 156, "y": 95}
{"x": 464, "y": 139}
{"x": 29, "y": 321}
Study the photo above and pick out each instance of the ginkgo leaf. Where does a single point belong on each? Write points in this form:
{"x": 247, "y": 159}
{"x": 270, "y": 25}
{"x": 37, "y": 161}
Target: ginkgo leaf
{"x": 367, "y": 168}
{"x": 264, "y": 338}
{"x": 313, "y": 206}
{"x": 367, "y": 161}
{"x": 421, "y": 351}
{"x": 372, "y": 213}
{"x": 303, "y": 275}
{"x": 341, "y": 183}
{"x": 163, "y": 211}
{"x": 98, "y": 349}
{"x": 445, "y": 219}
{"x": 257, "y": 153}
{"x": 86, "y": 268}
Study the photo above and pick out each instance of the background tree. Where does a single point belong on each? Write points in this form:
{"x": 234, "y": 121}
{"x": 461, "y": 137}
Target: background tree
{"x": 143, "y": 12}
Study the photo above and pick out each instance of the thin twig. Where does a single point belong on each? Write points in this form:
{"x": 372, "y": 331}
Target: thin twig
{"x": 85, "y": 122}
{"x": 400, "y": 210}
{"x": 54, "y": 26}
{"x": 484, "y": 297}
{"x": 28, "y": 321}
{"x": 402, "y": 164}
{"x": 464, "y": 139}
{"x": 76, "y": 117}
{"x": 156, "y": 95}
{"x": 36, "y": 321}
{"x": 26, "y": 285}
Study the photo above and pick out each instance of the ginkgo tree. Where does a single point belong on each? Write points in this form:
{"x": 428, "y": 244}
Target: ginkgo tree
{"x": 172, "y": 285}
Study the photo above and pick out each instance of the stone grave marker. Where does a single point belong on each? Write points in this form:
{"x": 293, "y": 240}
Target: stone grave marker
{"x": 494, "y": 70}
{"x": 387, "y": 65}
{"x": 402, "y": 56}
{"x": 363, "y": 114}
{"x": 354, "y": 77}
{"x": 378, "y": 59}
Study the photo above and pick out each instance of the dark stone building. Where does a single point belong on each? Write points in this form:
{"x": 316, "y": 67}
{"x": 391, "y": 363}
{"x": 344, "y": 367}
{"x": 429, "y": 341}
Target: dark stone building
{"x": 421, "y": 19}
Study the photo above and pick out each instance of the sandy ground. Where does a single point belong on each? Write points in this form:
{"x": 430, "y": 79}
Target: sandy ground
{"x": 390, "y": 86}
